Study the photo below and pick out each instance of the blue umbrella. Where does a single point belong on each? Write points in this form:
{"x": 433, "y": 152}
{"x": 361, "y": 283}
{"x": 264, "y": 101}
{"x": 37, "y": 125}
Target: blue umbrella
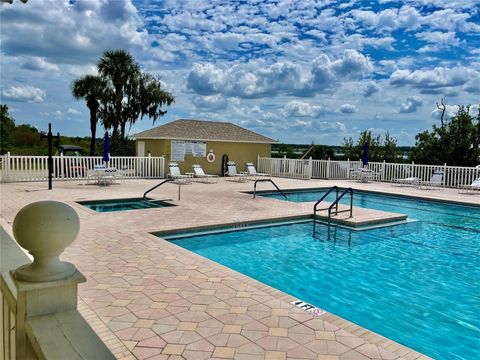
{"x": 106, "y": 148}
{"x": 365, "y": 154}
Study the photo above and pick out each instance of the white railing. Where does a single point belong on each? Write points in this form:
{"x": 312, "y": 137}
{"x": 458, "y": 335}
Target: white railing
{"x": 455, "y": 176}
{"x": 34, "y": 168}
{"x": 283, "y": 167}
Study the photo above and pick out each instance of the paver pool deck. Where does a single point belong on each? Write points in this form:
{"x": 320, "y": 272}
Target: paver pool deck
{"x": 150, "y": 299}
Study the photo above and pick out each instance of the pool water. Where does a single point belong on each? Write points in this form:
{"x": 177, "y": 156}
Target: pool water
{"x": 417, "y": 283}
{"x": 123, "y": 204}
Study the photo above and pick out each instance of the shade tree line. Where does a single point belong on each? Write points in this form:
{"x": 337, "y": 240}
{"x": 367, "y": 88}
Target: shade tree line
{"x": 455, "y": 141}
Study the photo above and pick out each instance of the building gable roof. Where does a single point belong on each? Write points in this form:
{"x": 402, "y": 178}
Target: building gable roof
{"x": 186, "y": 129}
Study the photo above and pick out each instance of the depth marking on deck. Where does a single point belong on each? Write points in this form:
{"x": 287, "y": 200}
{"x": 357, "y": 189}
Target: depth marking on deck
{"x": 308, "y": 307}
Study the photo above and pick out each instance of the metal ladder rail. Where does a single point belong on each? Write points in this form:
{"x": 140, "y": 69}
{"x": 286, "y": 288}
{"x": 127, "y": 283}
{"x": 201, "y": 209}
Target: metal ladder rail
{"x": 156, "y": 186}
{"x": 335, "y": 203}
{"x": 319, "y": 201}
{"x": 263, "y": 180}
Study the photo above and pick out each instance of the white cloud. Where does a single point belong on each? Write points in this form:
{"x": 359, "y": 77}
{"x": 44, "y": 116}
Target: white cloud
{"x": 434, "y": 80}
{"x": 302, "y": 109}
{"x": 411, "y": 104}
{"x": 39, "y": 64}
{"x": 24, "y": 94}
{"x": 70, "y": 32}
{"x": 73, "y": 111}
{"x": 389, "y": 19}
{"x": 348, "y": 109}
{"x": 257, "y": 79}
{"x": 370, "y": 89}
{"x": 211, "y": 103}
{"x": 437, "y": 40}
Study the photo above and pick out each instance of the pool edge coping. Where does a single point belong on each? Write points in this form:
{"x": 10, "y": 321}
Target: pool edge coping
{"x": 307, "y": 189}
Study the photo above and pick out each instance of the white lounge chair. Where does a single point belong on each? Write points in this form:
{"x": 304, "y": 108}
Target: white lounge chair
{"x": 473, "y": 188}
{"x": 435, "y": 181}
{"x": 232, "y": 173}
{"x": 252, "y": 172}
{"x": 408, "y": 181}
{"x": 202, "y": 177}
{"x": 176, "y": 175}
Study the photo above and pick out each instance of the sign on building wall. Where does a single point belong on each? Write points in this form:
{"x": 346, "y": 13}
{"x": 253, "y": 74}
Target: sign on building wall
{"x": 199, "y": 149}
{"x": 180, "y": 148}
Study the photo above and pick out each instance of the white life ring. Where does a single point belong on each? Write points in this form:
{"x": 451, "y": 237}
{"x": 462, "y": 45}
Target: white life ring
{"x": 211, "y": 157}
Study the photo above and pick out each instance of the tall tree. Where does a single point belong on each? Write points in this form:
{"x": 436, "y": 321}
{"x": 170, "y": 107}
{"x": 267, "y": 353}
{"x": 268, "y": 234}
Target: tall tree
{"x": 389, "y": 149}
{"x": 442, "y": 108}
{"x": 7, "y": 130}
{"x": 456, "y": 143}
{"x": 93, "y": 89}
{"x": 146, "y": 97}
{"x": 376, "y": 150}
{"x": 119, "y": 67}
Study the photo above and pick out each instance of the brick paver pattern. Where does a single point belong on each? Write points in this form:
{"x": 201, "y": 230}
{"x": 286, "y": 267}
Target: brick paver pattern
{"x": 149, "y": 299}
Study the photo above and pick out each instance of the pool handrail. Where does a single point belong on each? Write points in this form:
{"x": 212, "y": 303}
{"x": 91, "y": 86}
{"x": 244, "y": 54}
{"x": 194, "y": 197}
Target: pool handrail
{"x": 323, "y": 197}
{"x": 263, "y": 180}
{"x": 335, "y": 203}
{"x": 156, "y": 186}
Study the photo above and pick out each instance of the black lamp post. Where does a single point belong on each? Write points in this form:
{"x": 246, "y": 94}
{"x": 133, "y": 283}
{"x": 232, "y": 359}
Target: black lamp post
{"x": 49, "y": 138}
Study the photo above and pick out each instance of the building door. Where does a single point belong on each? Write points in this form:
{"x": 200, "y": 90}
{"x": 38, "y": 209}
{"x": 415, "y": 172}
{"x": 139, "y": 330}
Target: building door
{"x": 140, "y": 148}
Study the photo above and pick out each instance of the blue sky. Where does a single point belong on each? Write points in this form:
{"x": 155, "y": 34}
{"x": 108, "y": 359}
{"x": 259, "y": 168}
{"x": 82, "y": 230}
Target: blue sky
{"x": 298, "y": 71}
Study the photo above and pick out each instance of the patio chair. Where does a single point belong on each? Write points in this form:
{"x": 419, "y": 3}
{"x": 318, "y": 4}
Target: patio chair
{"x": 232, "y": 173}
{"x": 435, "y": 181}
{"x": 202, "y": 177}
{"x": 122, "y": 174}
{"x": 106, "y": 176}
{"x": 92, "y": 175}
{"x": 177, "y": 176}
{"x": 252, "y": 172}
{"x": 473, "y": 188}
{"x": 364, "y": 175}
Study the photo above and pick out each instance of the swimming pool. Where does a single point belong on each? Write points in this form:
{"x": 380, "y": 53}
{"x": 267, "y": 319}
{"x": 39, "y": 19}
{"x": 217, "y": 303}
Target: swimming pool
{"x": 416, "y": 283}
{"x": 123, "y": 204}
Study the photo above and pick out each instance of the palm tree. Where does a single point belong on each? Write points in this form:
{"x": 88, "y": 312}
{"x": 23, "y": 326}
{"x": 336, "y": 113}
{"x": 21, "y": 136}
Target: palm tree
{"x": 91, "y": 88}
{"x": 119, "y": 66}
{"x": 144, "y": 96}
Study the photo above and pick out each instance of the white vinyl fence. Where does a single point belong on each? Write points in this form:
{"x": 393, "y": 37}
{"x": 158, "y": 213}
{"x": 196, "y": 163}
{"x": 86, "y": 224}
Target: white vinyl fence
{"x": 455, "y": 176}
{"x": 283, "y": 167}
{"x": 34, "y": 168}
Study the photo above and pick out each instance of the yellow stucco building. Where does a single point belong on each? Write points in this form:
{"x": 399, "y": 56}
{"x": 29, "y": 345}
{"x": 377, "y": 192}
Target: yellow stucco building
{"x": 207, "y": 143}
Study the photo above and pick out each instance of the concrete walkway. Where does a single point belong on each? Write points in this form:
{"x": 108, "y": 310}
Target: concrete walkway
{"x": 149, "y": 299}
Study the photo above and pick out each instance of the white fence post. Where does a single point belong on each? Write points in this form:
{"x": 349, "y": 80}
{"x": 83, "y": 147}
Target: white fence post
{"x": 62, "y": 174}
{"x": 328, "y": 169}
{"x": 6, "y": 168}
{"x": 445, "y": 175}
{"x": 310, "y": 165}
{"x": 149, "y": 166}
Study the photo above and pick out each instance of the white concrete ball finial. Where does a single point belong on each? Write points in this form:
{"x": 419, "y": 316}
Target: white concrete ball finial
{"x": 45, "y": 229}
